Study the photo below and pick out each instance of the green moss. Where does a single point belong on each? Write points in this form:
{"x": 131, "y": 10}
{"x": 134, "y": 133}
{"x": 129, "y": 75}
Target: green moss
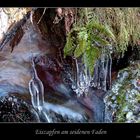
{"x": 122, "y": 93}
{"x": 120, "y": 116}
{"x": 71, "y": 42}
{"x": 124, "y": 24}
{"x": 121, "y": 100}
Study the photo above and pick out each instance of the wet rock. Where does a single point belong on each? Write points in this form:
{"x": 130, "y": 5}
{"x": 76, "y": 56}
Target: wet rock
{"x": 13, "y": 109}
{"x": 124, "y": 97}
{"x": 94, "y": 101}
{"x": 129, "y": 115}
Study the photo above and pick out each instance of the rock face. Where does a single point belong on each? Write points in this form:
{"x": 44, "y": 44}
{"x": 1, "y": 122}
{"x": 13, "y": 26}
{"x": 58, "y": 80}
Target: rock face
{"x": 94, "y": 101}
{"x": 13, "y": 109}
{"x": 123, "y": 100}
{"x": 44, "y": 42}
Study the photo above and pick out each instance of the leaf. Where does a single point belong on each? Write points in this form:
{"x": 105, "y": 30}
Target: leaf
{"x": 102, "y": 29}
{"x": 82, "y": 43}
{"x": 109, "y": 33}
{"x": 92, "y": 55}
{"x": 98, "y": 40}
{"x": 69, "y": 47}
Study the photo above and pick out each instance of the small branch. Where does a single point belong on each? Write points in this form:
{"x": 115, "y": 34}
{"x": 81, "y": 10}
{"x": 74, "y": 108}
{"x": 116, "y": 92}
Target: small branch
{"x": 42, "y": 16}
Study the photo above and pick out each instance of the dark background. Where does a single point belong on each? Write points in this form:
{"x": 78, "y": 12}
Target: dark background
{"x": 114, "y": 130}
{"x": 70, "y": 3}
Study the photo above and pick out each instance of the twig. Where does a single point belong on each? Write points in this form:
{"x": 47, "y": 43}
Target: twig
{"x": 42, "y": 16}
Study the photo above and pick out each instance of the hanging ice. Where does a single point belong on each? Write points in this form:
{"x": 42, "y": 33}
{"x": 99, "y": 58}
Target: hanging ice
{"x": 102, "y": 72}
{"x": 82, "y": 78}
{"x": 101, "y": 78}
{"x": 36, "y": 90}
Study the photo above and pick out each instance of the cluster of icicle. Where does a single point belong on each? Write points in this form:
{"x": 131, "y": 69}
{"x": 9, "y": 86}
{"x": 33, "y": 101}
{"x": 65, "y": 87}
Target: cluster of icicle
{"x": 101, "y": 78}
{"x": 102, "y": 73}
{"x": 82, "y": 79}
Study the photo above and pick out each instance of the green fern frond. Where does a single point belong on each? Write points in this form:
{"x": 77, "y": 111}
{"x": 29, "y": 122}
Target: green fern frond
{"x": 102, "y": 29}
{"x": 69, "y": 47}
{"x": 98, "y": 40}
{"x": 92, "y": 55}
{"x": 82, "y": 39}
{"x": 87, "y": 42}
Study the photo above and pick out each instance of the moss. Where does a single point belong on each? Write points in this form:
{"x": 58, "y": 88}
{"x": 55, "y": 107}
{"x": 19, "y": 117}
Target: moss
{"x": 122, "y": 101}
{"x": 120, "y": 116}
{"x": 124, "y": 23}
{"x": 98, "y": 28}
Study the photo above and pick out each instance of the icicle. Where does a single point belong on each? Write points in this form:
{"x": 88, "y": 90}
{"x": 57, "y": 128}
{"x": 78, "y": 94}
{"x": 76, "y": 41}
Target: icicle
{"x": 37, "y": 87}
{"x": 102, "y": 72}
{"x": 109, "y": 72}
{"x": 110, "y": 67}
{"x": 94, "y": 82}
{"x": 36, "y": 90}
{"x": 76, "y": 73}
{"x": 87, "y": 76}
{"x": 82, "y": 78}
{"x": 99, "y": 71}
{"x": 105, "y": 72}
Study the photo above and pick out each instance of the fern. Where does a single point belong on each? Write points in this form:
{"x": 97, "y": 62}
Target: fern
{"x": 100, "y": 41}
{"x": 103, "y": 29}
{"x": 92, "y": 55}
{"x": 70, "y": 45}
{"x": 85, "y": 42}
{"x": 82, "y": 43}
